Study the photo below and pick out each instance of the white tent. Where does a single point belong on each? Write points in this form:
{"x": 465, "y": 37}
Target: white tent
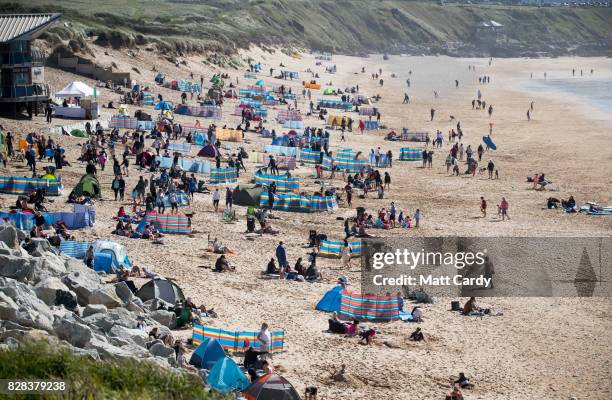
{"x": 75, "y": 89}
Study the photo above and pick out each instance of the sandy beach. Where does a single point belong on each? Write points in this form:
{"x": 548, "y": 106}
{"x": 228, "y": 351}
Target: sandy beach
{"x": 541, "y": 348}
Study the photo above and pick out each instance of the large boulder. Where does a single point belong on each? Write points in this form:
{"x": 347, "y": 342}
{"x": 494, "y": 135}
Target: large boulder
{"x": 160, "y": 350}
{"x": 20, "y": 304}
{"x": 165, "y": 318}
{"x": 10, "y": 236}
{"x": 116, "y": 316}
{"x": 49, "y": 264}
{"x": 83, "y": 282}
{"x": 46, "y": 290}
{"x": 107, "y": 350}
{"x": 123, "y": 291}
{"x": 37, "y": 247}
{"x": 136, "y": 335}
{"x": 75, "y": 333}
{"x": 105, "y": 295}
{"x": 92, "y": 309}
{"x": 18, "y": 267}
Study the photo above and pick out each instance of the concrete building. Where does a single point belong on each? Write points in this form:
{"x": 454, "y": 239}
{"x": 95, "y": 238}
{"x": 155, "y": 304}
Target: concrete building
{"x": 22, "y": 74}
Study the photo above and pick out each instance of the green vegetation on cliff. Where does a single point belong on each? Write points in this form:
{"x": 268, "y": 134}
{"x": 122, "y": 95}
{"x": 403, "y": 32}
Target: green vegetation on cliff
{"x": 342, "y": 26}
{"x": 90, "y": 379}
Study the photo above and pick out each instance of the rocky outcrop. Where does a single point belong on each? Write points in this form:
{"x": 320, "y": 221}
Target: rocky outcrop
{"x": 47, "y": 296}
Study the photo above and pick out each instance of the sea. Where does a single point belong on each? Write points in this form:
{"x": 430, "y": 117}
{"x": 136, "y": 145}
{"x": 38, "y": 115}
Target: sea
{"x": 595, "y": 92}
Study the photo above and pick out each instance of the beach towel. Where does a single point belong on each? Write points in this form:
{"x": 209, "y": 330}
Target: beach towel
{"x": 405, "y": 316}
{"x": 234, "y": 341}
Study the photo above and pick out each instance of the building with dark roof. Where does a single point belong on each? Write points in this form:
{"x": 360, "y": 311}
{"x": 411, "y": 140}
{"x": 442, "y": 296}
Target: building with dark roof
{"x": 22, "y": 74}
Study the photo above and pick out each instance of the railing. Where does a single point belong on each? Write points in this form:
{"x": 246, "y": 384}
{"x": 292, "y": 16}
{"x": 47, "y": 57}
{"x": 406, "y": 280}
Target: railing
{"x": 15, "y": 91}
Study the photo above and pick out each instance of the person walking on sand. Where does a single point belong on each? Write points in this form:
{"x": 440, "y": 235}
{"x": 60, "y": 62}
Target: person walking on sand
{"x": 216, "y": 197}
{"x": 432, "y": 112}
{"x": 345, "y": 255}
{"x": 417, "y": 218}
{"x": 503, "y": 208}
{"x": 490, "y": 110}
{"x": 528, "y": 115}
{"x": 483, "y": 207}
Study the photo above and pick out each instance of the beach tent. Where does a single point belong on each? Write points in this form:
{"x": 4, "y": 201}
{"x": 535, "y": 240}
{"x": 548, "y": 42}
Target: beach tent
{"x": 330, "y": 301}
{"x": 225, "y": 376}
{"x": 163, "y": 105}
{"x": 209, "y": 151}
{"x": 75, "y": 89}
{"x": 88, "y": 186}
{"x": 271, "y": 387}
{"x": 247, "y": 195}
{"x": 259, "y": 82}
{"x": 207, "y": 354}
{"x": 162, "y": 289}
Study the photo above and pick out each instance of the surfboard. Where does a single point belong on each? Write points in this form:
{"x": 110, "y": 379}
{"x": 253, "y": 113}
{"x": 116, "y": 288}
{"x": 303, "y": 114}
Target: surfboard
{"x": 489, "y": 142}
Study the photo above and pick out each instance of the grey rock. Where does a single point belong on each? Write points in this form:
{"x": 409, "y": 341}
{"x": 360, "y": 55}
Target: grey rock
{"x": 18, "y": 303}
{"x": 17, "y": 267}
{"x": 121, "y": 342}
{"x": 123, "y": 291}
{"x": 165, "y": 318}
{"x": 159, "y": 350}
{"x": 135, "y": 308}
{"x": 10, "y": 236}
{"x": 73, "y": 332}
{"x": 106, "y": 349}
{"x": 105, "y": 295}
{"x": 49, "y": 264}
{"x": 154, "y": 304}
{"x": 136, "y": 335}
{"x": 117, "y": 316}
{"x": 92, "y": 309}
{"x": 37, "y": 247}
{"x": 83, "y": 283}
{"x": 46, "y": 289}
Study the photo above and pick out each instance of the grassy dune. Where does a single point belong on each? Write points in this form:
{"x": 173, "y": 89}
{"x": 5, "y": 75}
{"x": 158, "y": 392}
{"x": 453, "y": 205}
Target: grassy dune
{"x": 355, "y": 26}
{"x": 89, "y": 379}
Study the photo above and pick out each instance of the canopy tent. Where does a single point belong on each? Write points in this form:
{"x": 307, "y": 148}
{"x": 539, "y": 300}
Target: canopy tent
{"x": 75, "y": 89}
{"x": 247, "y": 195}
{"x": 162, "y": 289}
{"x": 225, "y": 376}
{"x": 108, "y": 255}
{"x": 330, "y": 301}
{"x": 237, "y": 341}
{"x": 271, "y": 387}
{"x": 207, "y": 354}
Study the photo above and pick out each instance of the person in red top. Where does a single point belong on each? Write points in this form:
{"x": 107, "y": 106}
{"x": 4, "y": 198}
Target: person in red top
{"x": 361, "y": 125}
{"x": 503, "y": 208}
{"x": 483, "y": 206}
{"x": 121, "y": 212}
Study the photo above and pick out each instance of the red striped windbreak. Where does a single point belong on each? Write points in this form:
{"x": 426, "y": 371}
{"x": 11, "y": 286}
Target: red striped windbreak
{"x": 369, "y": 307}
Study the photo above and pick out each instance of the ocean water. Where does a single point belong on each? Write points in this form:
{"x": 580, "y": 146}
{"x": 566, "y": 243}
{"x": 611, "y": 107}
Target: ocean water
{"x": 595, "y": 92}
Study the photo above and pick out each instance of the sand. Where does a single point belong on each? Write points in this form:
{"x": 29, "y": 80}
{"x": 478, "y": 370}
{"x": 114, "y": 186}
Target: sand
{"x": 541, "y": 348}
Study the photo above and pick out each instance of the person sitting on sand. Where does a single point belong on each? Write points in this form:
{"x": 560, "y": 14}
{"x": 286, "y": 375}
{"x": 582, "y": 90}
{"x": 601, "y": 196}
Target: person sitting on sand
{"x": 339, "y": 375}
{"x": 417, "y": 314}
{"x": 455, "y": 394}
{"x": 220, "y": 248}
{"x": 366, "y": 336}
{"x": 417, "y": 335}
{"x": 271, "y": 268}
{"x": 353, "y": 328}
{"x": 335, "y": 325}
{"x": 251, "y": 358}
{"x": 471, "y": 307}
{"x": 463, "y": 381}
{"x": 312, "y": 273}
{"x": 222, "y": 265}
